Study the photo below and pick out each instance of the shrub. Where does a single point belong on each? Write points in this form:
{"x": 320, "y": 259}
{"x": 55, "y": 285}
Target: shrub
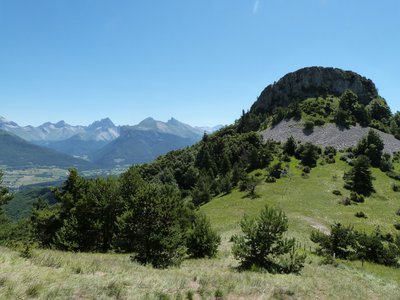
{"x": 249, "y": 184}
{"x": 398, "y": 212}
{"x": 386, "y": 163}
{"x": 357, "y": 197}
{"x": 395, "y": 187}
{"x": 346, "y": 243}
{"x": 290, "y": 146}
{"x": 329, "y": 150}
{"x": 394, "y": 175}
{"x": 270, "y": 179}
{"x": 202, "y": 240}
{"x": 347, "y": 157}
{"x": 397, "y": 226}
{"x": 337, "y": 192}
{"x": 263, "y": 245}
{"x": 308, "y": 154}
{"x": 360, "y": 214}
{"x": 309, "y": 125}
{"x": 345, "y": 201}
{"x": 276, "y": 170}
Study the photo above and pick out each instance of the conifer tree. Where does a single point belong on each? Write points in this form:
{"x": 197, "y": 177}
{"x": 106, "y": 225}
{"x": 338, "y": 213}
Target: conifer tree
{"x": 263, "y": 243}
{"x": 359, "y": 178}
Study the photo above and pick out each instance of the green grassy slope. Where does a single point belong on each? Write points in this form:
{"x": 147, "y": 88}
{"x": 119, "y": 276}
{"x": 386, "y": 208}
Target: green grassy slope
{"x": 308, "y": 203}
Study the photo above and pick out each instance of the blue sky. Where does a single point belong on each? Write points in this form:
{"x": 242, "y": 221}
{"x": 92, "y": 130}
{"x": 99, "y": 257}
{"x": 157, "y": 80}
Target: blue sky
{"x": 201, "y": 62}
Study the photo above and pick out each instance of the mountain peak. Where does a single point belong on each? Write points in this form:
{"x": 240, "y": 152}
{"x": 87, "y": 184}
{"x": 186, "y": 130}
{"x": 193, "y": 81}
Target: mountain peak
{"x": 313, "y": 82}
{"x": 5, "y": 122}
{"x": 173, "y": 121}
{"x": 103, "y": 123}
{"x": 147, "y": 120}
{"x": 60, "y": 124}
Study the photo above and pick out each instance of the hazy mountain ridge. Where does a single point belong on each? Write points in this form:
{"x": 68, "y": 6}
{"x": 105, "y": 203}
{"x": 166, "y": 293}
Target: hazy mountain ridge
{"x": 16, "y": 152}
{"x": 146, "y": 141}
{"x": 107, "y": 144}
{"x": 103, "y": 130}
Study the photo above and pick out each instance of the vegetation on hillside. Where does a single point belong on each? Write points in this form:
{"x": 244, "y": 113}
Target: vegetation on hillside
{"x": 188, "y": 202}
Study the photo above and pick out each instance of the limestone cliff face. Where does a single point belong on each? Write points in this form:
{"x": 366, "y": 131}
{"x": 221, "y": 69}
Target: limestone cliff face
{"x": 313, "y": 82}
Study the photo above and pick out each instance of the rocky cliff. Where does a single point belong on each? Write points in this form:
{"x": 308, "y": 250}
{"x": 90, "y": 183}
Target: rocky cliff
{"x": 313, "y": 82}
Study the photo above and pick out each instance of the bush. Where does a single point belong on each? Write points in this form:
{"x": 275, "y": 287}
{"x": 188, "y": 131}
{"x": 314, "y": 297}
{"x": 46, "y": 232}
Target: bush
{"x": 308, "y": 154}
{"x": 202, "y": 240}
{"x": 290, "y": 146}
{"x": 357, "y": 198}
{"x": 347, "y": 157}
{"x": 345, "y": 201}
{"x": 398, "y": 212}
{"x": 270, "y": 179}
{"x": 395, "y": 187}
{"x": 329, "y": 150}
{"x": 337, "y": 192}
{"x": 360, "y": 214}
{"x": 263, "y": 245}
{"x": 346, "y": 243}
{"x": 386, "y": 163}
{"x": 397, "y": 226}
{"x": 309, "y": 125}
{"x": 249, "y": 184}
{"x": 276, "y": 170}
{"x": 394, "y": 175}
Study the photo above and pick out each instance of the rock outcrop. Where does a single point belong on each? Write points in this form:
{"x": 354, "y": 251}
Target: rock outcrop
{"x": 313, "y": 82}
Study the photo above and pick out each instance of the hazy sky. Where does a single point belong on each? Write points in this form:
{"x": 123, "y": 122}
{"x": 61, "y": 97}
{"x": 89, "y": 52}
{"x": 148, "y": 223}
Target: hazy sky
{"x": 201, "y": 62}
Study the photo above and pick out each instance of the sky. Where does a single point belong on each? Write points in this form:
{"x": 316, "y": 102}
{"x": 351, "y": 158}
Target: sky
{"x": 201, "y": 62}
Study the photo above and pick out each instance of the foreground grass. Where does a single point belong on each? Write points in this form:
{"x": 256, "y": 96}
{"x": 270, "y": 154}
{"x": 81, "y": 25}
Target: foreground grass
{"x": 57, "y": 275}
{"x": 309, "y": 204}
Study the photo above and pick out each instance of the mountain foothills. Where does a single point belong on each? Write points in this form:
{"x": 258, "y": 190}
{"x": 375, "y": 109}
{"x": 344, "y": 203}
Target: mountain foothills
{"x": 231, "y": 211}
{"x": 102, "y": 143}
{"x": 16, "y": 153}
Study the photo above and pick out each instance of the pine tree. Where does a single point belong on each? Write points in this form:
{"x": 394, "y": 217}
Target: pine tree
{"x": 202, "y": 240}
{"x": 290, "y": 146}
{"x": 263, "y": 244}
{"x": 359, "y": 178}
{"x": 372, "y": 146}
{"x": 152, "y": 226}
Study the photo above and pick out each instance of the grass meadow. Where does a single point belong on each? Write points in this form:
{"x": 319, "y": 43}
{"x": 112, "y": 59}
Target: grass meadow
{"x": 309, "y": 204}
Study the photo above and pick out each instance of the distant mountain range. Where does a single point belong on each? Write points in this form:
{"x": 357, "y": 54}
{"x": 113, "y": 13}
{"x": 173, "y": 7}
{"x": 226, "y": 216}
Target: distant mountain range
{"x": 101, "y": 144}
{"x": 15, "y": 152}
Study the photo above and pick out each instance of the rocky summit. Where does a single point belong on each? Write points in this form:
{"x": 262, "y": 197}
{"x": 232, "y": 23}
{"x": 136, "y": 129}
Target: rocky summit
{"x": 313, "y": 82}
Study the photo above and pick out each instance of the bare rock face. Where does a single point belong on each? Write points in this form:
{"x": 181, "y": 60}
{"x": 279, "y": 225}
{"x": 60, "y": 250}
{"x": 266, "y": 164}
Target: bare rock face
{"x": 313, "y": 82}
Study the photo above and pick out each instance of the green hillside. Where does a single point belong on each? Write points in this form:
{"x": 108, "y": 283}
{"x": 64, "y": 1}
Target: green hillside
{"x": 135, "y": 236}
{"x": 309, "y": 204}
{"x": 16, "y": 152}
